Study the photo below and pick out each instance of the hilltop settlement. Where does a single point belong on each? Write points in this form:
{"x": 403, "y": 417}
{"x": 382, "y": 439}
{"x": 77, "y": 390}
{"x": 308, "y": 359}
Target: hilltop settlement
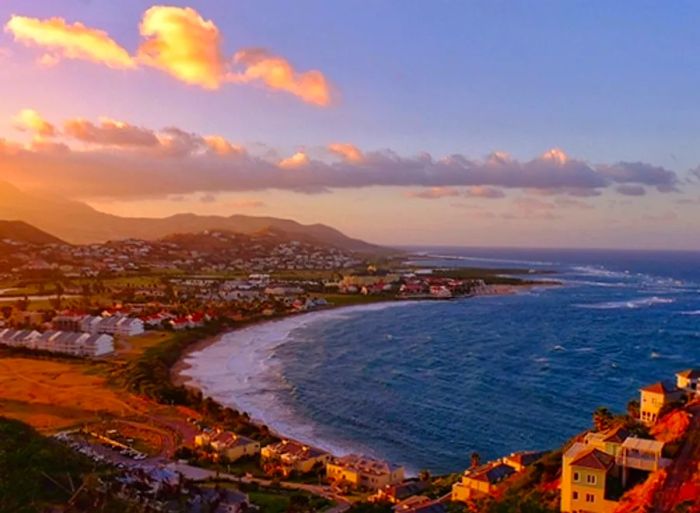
{"x": 92, "y": 417}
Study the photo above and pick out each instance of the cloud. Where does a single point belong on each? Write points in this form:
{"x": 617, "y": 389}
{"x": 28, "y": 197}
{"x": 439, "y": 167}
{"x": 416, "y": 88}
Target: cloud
{"x": 631, "y": 190}
{"x": 177, "y": 41}
{"x": 481, "y": 191}
{"x": 109, "y": 133}
{"x": 182, "y": 43}
{"x": 123, "y": 160}
{"x": 208, "y": 198}
{"x": 296, "y": 161}
{"x": 69, "y": 41}
{"x": 221, "y": 146}
{"x": 246, "y": 203}
{"x": 347, "y": 151}
{"x": 31, "y": 121}
{"x": 278, "y": 74}
{"x": 434, "y": 193}
{"x": 641, "y": 173}
{"x": 572, "y": 203}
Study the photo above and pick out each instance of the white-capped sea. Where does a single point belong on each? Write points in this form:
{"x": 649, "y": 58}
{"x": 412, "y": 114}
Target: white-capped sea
{"x": 425, "y": 384}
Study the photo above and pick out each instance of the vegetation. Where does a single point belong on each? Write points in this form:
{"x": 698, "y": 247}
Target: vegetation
{"x": 149, "y": 375}
{"x": 35, "y": 471}
{"x": 492, "y": 276}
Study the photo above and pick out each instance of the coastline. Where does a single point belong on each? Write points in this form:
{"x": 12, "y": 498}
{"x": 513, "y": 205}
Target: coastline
{"x": 241, "y": 377}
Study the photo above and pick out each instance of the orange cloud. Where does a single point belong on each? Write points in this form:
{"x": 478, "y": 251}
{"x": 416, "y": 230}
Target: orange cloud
{"x": 434, "y": 193}
{"x": 221, "y": 145}
{"x": 182, "y": 43}
{"x": 178, "y": 41}
{"x": 556, "y": 155}
{"x": 347, "y": 151}
{"x": 109, "y": 133}
{"x": 299, "y": 159}
{"x": 277, "y": 73}
{"x": 70, "y": 41}
{"x": 482, "y": 191}
{"x": 30, "y": 120}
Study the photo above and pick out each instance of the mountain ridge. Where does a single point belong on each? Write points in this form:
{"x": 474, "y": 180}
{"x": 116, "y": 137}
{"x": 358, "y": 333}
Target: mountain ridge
{"x": 79, "y": 223}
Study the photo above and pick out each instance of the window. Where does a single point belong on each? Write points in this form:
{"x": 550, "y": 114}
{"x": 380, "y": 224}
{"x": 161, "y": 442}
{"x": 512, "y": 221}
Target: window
{"x": 590, "y": 479}
{"x": 574, "y": 495}
{"x": 576, "y": 476}
{"x": 590, "y": 497}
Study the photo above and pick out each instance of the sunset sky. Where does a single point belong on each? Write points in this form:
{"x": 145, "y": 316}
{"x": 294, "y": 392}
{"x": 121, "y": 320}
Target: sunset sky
{"x": 545, "y": 123}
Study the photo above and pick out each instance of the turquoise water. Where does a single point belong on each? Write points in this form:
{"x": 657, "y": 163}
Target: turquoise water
{"x": 427, "y": 384}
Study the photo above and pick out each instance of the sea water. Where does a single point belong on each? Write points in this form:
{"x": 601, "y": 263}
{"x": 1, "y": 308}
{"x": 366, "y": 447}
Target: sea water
{"x": 425, "y": 384}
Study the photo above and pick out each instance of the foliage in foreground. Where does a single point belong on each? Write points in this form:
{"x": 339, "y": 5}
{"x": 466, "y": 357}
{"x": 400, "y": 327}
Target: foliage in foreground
{"x": 36, "y": 471}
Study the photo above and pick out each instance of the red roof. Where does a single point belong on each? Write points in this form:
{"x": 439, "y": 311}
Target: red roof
{"x": 594, "y": 459}
{"x": 659, "y": 388}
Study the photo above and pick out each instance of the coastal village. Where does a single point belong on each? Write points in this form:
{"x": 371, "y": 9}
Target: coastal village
{"x": 114, "y": 319}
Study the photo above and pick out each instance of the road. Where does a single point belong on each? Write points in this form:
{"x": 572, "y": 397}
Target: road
{"x": 198, "y": 473}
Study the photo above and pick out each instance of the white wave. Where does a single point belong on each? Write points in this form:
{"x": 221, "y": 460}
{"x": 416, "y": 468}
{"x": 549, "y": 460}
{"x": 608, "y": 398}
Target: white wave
{"x": 487, "y": 259}
{"x": 599, "y": 271}
{"x": 691, "y": 312}
{"x": 631, "y": 304}
{"x": 241, "y": 370}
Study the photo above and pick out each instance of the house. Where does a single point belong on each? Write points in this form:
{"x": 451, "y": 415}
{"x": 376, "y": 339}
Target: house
{"x": 419, "y": 504}
{"x": 654, "y": 398}
{"x": 227, "y": 444}
{"x": 481, "y": 481}
{"x": 609, "y": 441}
{"x": 585, "y": 482}
{"x": 290, "y": 456}
{"x": 362, "y": 472}
{"x": 520, "y": 460}
{"x": 397, "y": 493}
{"x": 595, "y": 472}
{"x": 688, "y": 380}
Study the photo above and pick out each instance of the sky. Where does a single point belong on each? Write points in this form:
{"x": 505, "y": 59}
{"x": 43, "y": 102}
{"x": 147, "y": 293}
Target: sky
{"x": 475, "y": 123}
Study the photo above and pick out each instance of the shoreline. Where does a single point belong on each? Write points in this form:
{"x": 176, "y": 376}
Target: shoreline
{"x": 253, "y": 359}
{"x": 177, "y": 370}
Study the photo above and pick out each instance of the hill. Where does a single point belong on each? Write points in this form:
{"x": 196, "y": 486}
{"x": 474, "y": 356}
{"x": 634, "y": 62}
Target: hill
{"x": 79, "y": 223}
{"x": 19, "y": 231}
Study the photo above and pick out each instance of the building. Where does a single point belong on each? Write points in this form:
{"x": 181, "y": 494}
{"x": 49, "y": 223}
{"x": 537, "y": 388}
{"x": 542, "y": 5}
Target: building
{"x": 481, "y": 481}
{"x": 654, "y": 398}
{"x": 229, "y": 445}
{"x": 66, "y": 342}
{"x": 688, "y": 380}
{"x": 522, "y": 459}
{"x": 399, "y": 492}
{"x": 363, "y": 473}
{"x": 609, "y": 441}
{"x": 595, "y": 472}
{"x": 419, "y": 504}
{"x": 586, "y": 472}
{"x": 290, "y": 456}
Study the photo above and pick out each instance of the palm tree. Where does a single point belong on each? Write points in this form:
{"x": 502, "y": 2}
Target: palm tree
{"x": 602, "y": 418}
{"x": 476, "y": 459}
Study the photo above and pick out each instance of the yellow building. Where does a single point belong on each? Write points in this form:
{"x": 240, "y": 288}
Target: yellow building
{"x": 289, "y": 456}
{"x": 609, "y": 441}
{"x": 360, "y": 472}
{"x": 227, "y": 444}
{"x": 481, "y": 482}
{"x": 689, "y": 380}
{"x": 585, "y": 474}
{"x": 654, "y": 398}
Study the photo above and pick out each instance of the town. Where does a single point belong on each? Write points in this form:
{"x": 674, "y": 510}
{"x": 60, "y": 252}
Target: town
{"x": 130, "y": 309}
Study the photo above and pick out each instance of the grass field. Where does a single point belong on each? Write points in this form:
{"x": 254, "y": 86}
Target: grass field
{"x": 52, "y": 395}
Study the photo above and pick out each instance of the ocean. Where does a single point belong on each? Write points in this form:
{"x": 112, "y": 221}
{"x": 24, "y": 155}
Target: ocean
{"x": 425, "y": 384}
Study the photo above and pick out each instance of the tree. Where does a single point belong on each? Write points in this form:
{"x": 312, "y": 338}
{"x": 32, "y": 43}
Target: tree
{"x": 424, "y": 475}
{"x": 475, "y": 460}
{"x": 602, "y": 418}
{"x": 633, "y": 408}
